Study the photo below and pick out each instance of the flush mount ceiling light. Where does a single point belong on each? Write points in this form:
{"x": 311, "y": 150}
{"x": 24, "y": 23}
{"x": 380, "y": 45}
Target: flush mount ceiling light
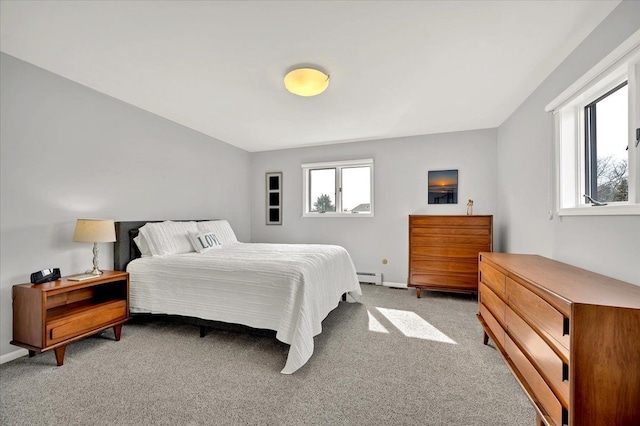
{"x": 306, "y": 81}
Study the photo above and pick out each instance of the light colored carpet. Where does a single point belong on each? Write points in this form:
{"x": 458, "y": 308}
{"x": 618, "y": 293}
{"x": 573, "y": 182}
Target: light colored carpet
{"x": 162, "y": 373}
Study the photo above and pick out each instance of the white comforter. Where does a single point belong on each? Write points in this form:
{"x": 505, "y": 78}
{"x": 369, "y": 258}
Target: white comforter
{"x": 289, "y": 288}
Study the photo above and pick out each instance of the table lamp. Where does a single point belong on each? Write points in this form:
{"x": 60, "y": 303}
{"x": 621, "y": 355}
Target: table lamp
{"x": 94, "y": 231}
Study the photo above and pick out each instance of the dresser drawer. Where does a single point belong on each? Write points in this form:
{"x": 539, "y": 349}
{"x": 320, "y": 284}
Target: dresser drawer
{"x": 539, "y": 312}
{"x": 450, "y": 240}
{"x": 494, "y": 279}
{"x": 430, "y": 231}
{"x": 463, "y": 252}
{"x": 547, "y": 360}
{"x": 547, "y": 401}
{"x": 493, "y": 324}
{"x": 466, "y": 281}
{"x": 492, "y": 302}
{"x": 444, "y": 266}
{"x": 85, "y": 320}
{"x": 455, "y": 221}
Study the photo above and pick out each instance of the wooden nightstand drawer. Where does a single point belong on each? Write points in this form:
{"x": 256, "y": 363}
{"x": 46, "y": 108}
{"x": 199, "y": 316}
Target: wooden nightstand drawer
{"x": 87, "y": 318}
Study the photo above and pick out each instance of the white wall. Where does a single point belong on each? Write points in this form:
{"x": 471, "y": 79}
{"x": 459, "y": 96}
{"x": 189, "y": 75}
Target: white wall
{"x": 401, "y": 167}
{"x": 606, "y": 245}
{"x": 69, "y": 152}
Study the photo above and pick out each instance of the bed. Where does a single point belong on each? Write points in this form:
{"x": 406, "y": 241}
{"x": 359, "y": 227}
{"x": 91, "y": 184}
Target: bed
{"x": 287, "y": 288}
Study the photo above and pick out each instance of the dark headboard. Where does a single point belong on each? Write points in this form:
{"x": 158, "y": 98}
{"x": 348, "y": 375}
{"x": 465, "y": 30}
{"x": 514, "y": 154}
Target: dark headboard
{"x": 124, "y": 249}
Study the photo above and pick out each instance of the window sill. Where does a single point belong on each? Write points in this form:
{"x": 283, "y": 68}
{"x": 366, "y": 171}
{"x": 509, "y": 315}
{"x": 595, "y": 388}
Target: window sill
{"x": 334, "y": 215}
{"x": 608, "y": 210}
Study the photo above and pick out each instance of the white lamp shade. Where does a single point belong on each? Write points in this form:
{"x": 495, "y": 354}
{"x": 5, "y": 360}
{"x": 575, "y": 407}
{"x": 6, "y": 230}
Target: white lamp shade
{"x": 94, "y": 231}
{"x": 306, "y": 82}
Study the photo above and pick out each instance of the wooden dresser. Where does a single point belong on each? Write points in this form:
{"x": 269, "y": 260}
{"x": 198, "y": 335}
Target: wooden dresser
{"x": 570, "y": 337}
{"x": 443, "y": 251}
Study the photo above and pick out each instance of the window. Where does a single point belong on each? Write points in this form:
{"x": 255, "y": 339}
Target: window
{"x": 606, "y": 154}
{"x": 596, "y": 150}
{"x": 343, "y": 188}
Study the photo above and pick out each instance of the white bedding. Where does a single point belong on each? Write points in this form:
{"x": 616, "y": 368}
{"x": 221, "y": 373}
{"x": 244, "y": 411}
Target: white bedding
{"x": 289, "y": 288}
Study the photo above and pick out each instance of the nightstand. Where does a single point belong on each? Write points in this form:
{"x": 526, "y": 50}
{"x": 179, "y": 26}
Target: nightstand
{"x": 51, "y": 315}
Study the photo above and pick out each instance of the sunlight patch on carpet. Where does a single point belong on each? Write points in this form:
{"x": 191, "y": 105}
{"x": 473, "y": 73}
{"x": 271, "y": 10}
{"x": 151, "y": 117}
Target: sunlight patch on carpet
{"x": 412, "y": 325}
{"x": 374, "y": 325}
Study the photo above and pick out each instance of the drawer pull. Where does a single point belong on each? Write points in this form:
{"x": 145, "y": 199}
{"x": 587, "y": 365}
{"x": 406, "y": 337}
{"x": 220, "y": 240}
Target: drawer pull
{"x": 565, "y": 417}
{"x": 565, "y": 327}
{"x": 565, "y": 372}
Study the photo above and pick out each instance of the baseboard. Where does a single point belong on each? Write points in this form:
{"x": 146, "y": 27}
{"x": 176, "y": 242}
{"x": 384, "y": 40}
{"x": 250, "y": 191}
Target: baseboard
{"x": 394, "y": 285}
{"x": 13, "y": 355}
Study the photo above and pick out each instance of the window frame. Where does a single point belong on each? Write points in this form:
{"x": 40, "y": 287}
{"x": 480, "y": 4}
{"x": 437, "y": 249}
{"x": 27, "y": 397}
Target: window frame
{"x": 590, "y": 141}
{"x": 338, "y": 166}
{"x": 570, "y": 151}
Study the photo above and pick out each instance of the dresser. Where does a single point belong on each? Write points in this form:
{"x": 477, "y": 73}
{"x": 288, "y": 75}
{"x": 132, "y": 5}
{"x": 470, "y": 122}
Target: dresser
{"x": 570, "y": 337}
{"x": 443, "y": 251}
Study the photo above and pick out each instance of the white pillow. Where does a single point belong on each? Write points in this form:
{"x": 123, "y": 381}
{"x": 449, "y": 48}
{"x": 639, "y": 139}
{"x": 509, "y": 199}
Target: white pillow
{"x": 221, "y": 228}
{"x": 204, "y": 241}
{"x": 168, "y": 237}
{"x": 142, "y": 246}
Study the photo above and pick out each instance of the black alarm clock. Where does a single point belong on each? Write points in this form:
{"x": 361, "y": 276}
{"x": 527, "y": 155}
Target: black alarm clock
{"x": 45, "y": 276}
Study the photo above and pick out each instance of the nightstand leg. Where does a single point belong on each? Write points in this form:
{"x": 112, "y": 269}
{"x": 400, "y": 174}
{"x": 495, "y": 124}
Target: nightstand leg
{"x": 418, "y": 292}
{"x": 485, "y": 338}
{"x": 60, "y": 355}
{"x": 117, "y": 330}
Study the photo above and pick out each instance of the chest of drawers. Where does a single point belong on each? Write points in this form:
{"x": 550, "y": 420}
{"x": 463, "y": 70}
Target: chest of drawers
{"x": 570, "y": 337}
{"x": 443, "y": 251}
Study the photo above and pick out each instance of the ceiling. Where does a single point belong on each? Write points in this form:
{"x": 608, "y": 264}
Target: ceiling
{"x": 397, "y": 68}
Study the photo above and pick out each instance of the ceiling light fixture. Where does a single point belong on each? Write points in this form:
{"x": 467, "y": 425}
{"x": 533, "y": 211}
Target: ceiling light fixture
{"x": 306, "y": 81}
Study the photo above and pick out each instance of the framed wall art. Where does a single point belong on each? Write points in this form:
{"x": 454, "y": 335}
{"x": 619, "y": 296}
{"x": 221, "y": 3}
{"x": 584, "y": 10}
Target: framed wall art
{"x": 274, "y": 198}
{"x": 443, "y": 186}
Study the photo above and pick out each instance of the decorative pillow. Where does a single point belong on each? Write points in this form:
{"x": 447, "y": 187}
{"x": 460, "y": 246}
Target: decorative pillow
{"x": 221, "y": 228}
{"x": 168, "y": 237}
{"x": 204, "y": 241}
{"x": 142, "y": 246}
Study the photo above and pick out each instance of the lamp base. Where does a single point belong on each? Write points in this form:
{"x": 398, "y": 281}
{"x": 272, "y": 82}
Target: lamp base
{"x": 95, "y": 271}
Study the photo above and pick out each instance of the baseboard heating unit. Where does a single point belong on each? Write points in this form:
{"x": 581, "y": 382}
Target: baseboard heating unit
{"x": 370, "y": 278}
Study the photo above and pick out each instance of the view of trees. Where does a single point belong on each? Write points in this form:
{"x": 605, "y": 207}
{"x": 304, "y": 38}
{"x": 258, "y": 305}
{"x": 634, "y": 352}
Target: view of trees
{"x": 613, "y": 179}
{"x": 324, "y": 204}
